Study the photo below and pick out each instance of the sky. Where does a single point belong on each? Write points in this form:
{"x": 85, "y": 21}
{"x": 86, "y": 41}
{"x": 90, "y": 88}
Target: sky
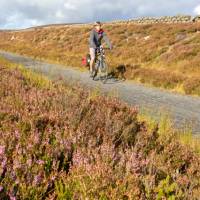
{"x": 16, "y": 14}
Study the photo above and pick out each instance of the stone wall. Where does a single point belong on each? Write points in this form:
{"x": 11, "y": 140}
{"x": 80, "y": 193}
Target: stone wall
{"x": 165, "y": 19}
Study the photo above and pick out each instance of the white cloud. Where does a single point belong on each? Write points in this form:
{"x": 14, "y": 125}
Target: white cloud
{"x": 23, "y": 13}
{"x": 197, "y": 10}
{"x": 59, "y": 14}
{"x": 69, "y": 6}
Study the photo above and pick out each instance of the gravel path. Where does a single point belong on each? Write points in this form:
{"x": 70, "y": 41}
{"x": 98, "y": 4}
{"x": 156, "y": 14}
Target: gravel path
{"x": 183, "y": 109}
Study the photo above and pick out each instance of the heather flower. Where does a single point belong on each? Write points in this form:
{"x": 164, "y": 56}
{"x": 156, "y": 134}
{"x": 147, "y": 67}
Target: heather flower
{"x": 30, "y": 146}
{"x": 136, "y": 164}
{"x": 66, "y": 144}
{"x": 40, "y": 162}
{"x": 2, "y": 150}
{"x": 38, "y": 179}
{"x": 4, "y": 163}
{"x": 89, "y": 132}
{"x": 36, "y": 138}
{"x": 55, "y": 164}
{"x": 53, "y": 178}
{"x": 79, "y": 159}
{"x": 29, "y": 162}
{"x": 13, "y": 175}
{"x": 17, "y": 134}
{"x": 183, "y": 180}
{"x": 12, "y": 197}
{"x": 17, "y": 165}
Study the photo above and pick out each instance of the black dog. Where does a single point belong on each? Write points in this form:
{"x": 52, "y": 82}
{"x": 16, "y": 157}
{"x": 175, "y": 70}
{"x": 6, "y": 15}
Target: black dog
{"x": 119, "y": 72}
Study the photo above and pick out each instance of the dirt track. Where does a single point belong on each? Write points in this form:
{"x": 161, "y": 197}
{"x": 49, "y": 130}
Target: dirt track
{"x": 182, "y": 109}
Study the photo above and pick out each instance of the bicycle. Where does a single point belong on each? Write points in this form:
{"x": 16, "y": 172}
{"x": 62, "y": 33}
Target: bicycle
{"x": 100, "y": 64}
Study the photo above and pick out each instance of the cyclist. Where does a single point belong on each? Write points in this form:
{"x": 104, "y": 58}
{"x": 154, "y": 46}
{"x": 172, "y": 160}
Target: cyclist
{"x": 96, "y": 36}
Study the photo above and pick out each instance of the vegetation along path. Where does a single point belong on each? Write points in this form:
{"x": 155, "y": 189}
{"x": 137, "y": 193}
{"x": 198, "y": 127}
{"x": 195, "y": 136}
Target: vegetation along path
{"x": 181, "y": 108}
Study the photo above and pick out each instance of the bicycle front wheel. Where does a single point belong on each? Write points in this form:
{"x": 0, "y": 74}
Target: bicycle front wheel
{"x": 104, "y": 70}
{"x": 96, "y": 68}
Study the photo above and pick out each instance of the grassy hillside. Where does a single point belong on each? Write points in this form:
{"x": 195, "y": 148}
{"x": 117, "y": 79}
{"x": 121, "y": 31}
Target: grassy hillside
{"x": 162, "y": 55}
{"x": 65, "y": 143}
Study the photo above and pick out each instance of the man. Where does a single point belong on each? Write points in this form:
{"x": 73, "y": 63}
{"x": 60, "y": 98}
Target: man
{"x": 96, "y": 36}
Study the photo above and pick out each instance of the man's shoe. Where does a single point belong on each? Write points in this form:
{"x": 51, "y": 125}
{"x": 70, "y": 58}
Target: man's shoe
{"x": 94, "y": 74}
{"x": 91, "y": 74}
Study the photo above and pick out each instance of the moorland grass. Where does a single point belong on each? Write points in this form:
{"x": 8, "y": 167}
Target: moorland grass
{"x": 160, "y": 55}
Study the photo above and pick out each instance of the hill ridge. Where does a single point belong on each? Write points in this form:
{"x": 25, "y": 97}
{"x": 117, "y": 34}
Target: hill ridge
{"x": 139, "y": 20}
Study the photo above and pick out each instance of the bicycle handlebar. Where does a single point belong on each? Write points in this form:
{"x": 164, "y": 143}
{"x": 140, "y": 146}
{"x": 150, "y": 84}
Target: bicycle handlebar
{"x": 105, "y": 48}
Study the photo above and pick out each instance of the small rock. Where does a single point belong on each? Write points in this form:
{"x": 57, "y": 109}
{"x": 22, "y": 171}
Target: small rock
{"x": 12, "y": 38}
{"x": 147, "y": 37}
{"x": 181, "y": 36}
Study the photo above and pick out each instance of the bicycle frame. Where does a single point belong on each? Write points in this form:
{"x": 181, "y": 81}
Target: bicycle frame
{"x": 100, "y": 63}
